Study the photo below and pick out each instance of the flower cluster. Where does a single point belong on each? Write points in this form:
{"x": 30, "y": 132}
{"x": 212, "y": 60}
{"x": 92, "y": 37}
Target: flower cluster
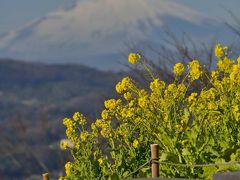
{"x": 133, "y": 58}
{"x": 191, "y": 127}
{"x": 194, "y": 69}
{"x": 178, "y": 69}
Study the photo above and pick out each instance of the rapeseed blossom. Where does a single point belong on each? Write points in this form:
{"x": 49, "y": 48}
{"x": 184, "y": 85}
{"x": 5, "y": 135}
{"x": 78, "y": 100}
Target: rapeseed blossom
{"x": 178, "y": 69}
{"x": 194, "y": 69}
{"x": 219, "y": 52}
{"x": 135, "y": 143}
{"x": 100, "y": 160}
{"x": 65, "y": 144}
{"x": 77, "y": 116}
{"x": 235, "y": 73}
{"x": 142, "y": 102}
{"x": 68, "y": 167}
{"x": 124, "y": 85}
{"x": 128, "y": 96}
{"x": 110, "y": 104}
{"x": 84, "y": 135}
{"x": 192, "y": 97}
{"x": 133, "y": 58}
{"x": 190, "y": 124}
{"x": 157, "y": 85}
{"x": 225, "y": 65}
{"x": 214, "y": 74}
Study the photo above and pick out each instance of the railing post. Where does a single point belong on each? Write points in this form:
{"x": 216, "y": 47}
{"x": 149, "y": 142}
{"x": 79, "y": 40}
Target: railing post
{"x": 154, "y": 160}
{"x": 45, "y": 176}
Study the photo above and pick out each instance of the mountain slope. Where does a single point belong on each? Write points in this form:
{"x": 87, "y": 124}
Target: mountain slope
{"x": 88, "y": 31}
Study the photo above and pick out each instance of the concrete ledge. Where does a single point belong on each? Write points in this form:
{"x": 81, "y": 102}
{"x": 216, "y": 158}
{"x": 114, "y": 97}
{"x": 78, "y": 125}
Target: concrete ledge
{"x": 217, "y": 176}
{"x": 227, "y": 176}
{"x": 162, "y": 179}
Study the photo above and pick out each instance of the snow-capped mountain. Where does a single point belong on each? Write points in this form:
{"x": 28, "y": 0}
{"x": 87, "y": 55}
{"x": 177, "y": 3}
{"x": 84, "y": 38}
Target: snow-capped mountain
{"x": 94, "y": 32}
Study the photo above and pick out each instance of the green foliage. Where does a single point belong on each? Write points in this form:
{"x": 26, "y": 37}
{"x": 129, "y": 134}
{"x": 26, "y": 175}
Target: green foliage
{"x": 190, "y": 127}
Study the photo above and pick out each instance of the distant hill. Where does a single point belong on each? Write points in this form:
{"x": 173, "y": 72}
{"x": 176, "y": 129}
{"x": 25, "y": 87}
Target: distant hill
{"x": 34, "y": 98}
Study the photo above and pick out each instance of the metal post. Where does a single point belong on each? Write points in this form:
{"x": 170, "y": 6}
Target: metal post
{"x": 154, "y": 160}
{"x": 45, "y": 176}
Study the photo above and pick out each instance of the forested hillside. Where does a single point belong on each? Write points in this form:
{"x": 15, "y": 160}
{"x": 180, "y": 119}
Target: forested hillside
{"x": 34, "y": 98}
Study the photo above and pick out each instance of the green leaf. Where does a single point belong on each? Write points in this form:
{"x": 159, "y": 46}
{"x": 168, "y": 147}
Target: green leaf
{"x": 163, "y": 157}
{"x": 114, "y": 177}
{"x": 208, "y": 172}
{"x": 185, "y": 152}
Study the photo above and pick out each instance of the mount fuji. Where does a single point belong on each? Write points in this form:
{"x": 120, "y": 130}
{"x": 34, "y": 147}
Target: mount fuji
{"x": 95, "y": 32}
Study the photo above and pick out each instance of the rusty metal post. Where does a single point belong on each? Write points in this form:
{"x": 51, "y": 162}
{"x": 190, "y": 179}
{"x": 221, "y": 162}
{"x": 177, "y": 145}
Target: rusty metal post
{"x": 154, "y": 160}
{"x": 45, "y": 176}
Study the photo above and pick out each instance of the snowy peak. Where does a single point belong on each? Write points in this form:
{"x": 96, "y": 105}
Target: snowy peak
{"x": 92, "y": 28}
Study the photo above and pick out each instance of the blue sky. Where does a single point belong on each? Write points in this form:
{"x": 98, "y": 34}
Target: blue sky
{"x": 16, "y": 13}
{"x": 215, "y": 8}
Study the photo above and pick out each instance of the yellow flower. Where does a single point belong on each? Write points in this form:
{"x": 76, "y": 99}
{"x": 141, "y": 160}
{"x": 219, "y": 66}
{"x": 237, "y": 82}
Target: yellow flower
{"x": 194, "y": 69}
{"x": 71, "y": 129}
{"x": 131, "y": 103}
{"x": 192, "y": 97}
{"x": 63, "y": 145}
{"x": 94, "y": 129}
{"x": 68, "y": 167}
{"x": 122, "y": 130}
{"x": 123, "y": 85}
{"x": 66, "y": 143}
{"x": 79, "y": 117}
{"x": 137, "y": 120}
{"x": 238, "y": 59}
{"x": 84, "y": 135}
{"x": 157, "y": 85}
{"x": 225, "y": 64}
{"x": 106, "y": 132}
{"x": 214, "y": 75}
{"x": 142, "y": 102}
{"x": 179, "y": 128}
{"x": 105, "y": 114}
{"x": 182, "y": 88}
{"x": 135, "y": 143}
{"x": 110, "y": 104}
{"x": 212, "y": 106}
{"x": 100, "y": 161}
{"x": 235, "y": 110}
{"x": 235, "y": 73}
{"x": 238, "y": 95}
{"x": 143, "y": 93}
{"x": 119, "y": 88}
{"x": 178, "y": 69}
{"x": 184, "y": 142}
{"x": 128, "y": 96}
{"x": 67, "y": 122}
{"x": 172, "y": 88}
{"x": 133, "y": 58}
{"x": 126, "y": 83}
{"x": 105, "y": 129}
{"x": 76, "y": 116}
{"x": 98, "y": 122}
{"x": 219, "y": 52}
